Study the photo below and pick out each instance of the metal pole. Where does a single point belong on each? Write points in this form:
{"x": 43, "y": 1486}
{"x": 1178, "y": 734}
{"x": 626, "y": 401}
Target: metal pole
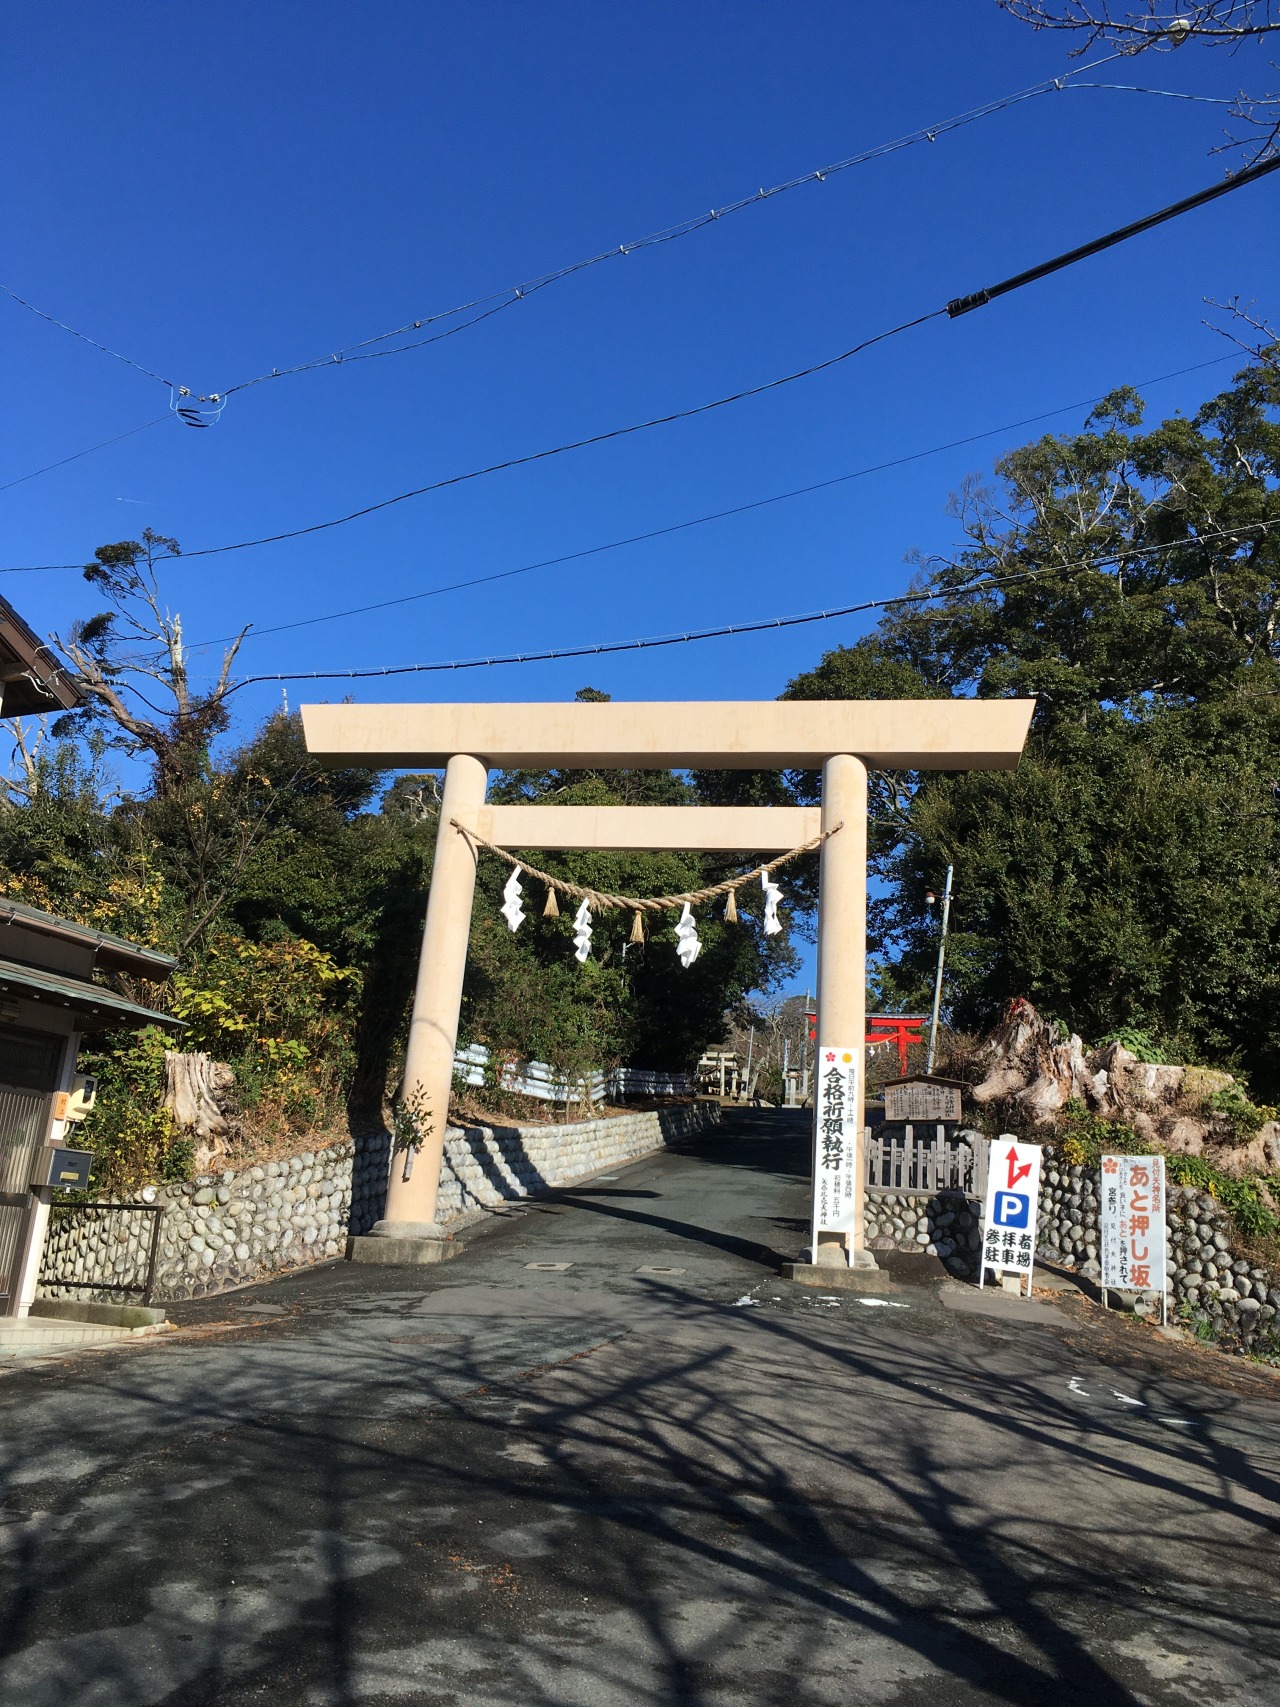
{"x": 937, "y": 982}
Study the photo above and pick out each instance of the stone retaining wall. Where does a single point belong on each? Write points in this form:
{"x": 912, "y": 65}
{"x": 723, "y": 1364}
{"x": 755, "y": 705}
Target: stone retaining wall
{"x": 1216, "y": 1290}
{"x": 946, "y": 1225}
{"x": 225, "y": 1229}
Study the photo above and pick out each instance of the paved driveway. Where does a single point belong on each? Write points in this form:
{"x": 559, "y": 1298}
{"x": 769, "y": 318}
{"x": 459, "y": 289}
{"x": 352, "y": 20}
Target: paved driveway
{"x": 491, "y": 1483}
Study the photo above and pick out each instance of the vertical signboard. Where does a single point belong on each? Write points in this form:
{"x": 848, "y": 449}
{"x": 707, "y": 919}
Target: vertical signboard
{"x": 835, "y": 1149}
{"x": 1133, "y": 1225}
{"x": 1013, "y": 1205}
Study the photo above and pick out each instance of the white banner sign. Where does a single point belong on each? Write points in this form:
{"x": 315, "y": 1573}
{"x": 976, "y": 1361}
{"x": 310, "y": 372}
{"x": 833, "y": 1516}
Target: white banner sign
{"x": 1133, "y": 1225}
{"x": 835, "y": 1150}
{"x": 1013, "y": 1204}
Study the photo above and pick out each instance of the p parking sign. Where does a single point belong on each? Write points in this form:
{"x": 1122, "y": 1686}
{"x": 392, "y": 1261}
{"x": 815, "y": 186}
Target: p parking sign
{"x": 1013, "y": 1204}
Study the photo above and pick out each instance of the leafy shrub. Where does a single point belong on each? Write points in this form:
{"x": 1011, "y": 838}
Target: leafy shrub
{"x": 1243, "y": 1199}
{"x": 1083, "y": 1138}
{"x": 280, "y": 1013}
{"x": 1243, "y": 1116}
{"x": 1137, "y": 1042}
{"x": 131, "y": 1135}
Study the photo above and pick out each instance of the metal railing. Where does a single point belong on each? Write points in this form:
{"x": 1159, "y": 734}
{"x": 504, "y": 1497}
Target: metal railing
{"x": 904, "y": 1159}
{"x": 102, "y": 1247}
{"x": 536, "y": 1079}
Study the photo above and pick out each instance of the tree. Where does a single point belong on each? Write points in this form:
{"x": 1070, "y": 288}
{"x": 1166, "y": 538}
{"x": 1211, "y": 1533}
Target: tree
{"x": 1129, "y": 579}
{"x": 1156, "y": 26}
{"x": 628, "y": 1002}
{"x": 124, "y": 658}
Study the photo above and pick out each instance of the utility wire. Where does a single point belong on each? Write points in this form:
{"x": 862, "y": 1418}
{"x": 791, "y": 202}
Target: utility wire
{"x": 957, "y": 306}
{"x": 512, "y": 294}
{"x": 699, "y": 521}
{"x": 1237, "y": 180}
{"x": 76, "y": 455}
{"x": 496, "y": 301}
{"x": 532, "y": 456}
{"x": 602, "y": 648}
{"x": 84, "y": 337}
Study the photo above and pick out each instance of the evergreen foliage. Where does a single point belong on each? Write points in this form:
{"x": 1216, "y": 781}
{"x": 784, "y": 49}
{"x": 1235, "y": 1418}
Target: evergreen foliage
{"x": 1125, "y": 876}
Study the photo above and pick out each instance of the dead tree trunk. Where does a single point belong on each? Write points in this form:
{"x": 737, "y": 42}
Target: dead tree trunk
{"x": 197, "y": 1093}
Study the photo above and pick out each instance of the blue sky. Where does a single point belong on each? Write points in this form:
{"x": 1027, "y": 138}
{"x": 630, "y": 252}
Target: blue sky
{"x": 223, "y": 189}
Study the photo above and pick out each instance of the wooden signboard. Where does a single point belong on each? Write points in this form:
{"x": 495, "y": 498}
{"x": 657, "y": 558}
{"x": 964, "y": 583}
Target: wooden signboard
{"x": 922, "y": 1099}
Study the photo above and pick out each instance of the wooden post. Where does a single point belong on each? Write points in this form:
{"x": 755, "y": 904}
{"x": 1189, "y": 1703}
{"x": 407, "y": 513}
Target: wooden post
{"x": 433, "y": 1029}
{"x": 842, "y": 968}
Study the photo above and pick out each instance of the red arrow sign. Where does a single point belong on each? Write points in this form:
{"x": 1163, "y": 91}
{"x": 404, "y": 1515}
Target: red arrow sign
{"x": 1015, "y": 1172}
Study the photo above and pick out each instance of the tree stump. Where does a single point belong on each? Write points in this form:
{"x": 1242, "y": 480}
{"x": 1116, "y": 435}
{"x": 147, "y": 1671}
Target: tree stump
{"x": 197, "y": 1092}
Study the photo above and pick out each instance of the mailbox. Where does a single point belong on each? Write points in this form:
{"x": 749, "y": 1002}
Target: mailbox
{"x": 68, "y": 1169}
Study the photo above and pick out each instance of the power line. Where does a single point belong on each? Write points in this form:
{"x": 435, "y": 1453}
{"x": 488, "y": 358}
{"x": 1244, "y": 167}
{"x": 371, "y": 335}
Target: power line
{"x": 513, "y": 294}
{"x": 1237, "y": 180}
{"x": 76, "y": 455}
{"x": 602, "y": 648}
{"x": 508, "y": 297}
{"x": 957, "y": 306}
{"x": 532, "y": 456}
{"x": 84, "y": 337}
{"x": 699, "y": 521}
{"x": 496, "y": 301}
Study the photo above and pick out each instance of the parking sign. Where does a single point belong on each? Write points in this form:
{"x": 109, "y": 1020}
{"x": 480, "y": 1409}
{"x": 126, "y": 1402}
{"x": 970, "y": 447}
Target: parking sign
{"x": 1013, "y": 1205}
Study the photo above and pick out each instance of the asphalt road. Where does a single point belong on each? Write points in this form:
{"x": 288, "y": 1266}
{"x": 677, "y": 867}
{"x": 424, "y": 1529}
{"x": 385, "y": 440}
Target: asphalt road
{"x": 494, "y": 1483}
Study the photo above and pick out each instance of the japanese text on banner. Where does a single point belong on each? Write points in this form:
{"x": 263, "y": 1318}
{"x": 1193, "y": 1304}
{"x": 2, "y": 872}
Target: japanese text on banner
{"x": 835, "y": 1160}
{"x": 1133, "y": 1223}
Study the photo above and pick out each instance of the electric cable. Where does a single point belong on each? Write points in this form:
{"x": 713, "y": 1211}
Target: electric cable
{"x": 952, "y": 310}
{"x": 602, "y": 648}
{"x": 510, "y": 295}
{"x": 513, "y": 294}
{"x": 76, "y": 455}
{"x": 1236, "y": 181}
{"x": 85, "y": 338}
{"x": 699, "y": 521}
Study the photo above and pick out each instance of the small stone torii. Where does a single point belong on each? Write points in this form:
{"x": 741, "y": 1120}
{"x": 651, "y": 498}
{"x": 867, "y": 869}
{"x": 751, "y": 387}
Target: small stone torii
{"x": 841, "y": 738}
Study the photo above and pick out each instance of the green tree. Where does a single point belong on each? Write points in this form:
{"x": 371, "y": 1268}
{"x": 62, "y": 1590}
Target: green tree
{"x": 1127, "y": 873}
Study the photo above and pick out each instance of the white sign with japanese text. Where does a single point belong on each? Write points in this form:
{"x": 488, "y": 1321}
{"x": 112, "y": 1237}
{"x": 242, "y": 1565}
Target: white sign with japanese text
{"x": 835, "y": 1150}
{"x": 1133, "y": 1223}
{"x": 1013, "y": 1205}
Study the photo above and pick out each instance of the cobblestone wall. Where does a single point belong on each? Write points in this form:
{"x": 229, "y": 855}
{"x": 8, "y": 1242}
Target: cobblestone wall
{"x": 1220, "y": 1292}
{"x": 224, "y": 1229}
{"x": 1216, "y": 1290}
{"x": 946, "y": 1225}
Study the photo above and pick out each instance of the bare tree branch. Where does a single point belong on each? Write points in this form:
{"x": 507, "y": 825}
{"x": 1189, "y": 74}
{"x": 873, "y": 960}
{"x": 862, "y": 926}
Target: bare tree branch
{"x": 139, "y": 640}
{"x": 1156, "y": 26}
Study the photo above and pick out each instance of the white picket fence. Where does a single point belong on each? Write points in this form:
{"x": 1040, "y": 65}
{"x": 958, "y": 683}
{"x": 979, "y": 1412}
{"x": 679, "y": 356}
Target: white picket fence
{"x": 537, "y": 1079}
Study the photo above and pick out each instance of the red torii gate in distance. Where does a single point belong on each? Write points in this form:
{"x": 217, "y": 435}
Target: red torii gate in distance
{"x": 900, "y": 1029}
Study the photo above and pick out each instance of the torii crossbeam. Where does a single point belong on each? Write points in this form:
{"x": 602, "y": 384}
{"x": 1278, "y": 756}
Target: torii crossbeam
{"x": 841, "y": 738}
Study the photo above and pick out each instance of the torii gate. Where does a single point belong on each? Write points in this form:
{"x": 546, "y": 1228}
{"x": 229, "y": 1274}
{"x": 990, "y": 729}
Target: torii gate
{"x": 842, "y": 738}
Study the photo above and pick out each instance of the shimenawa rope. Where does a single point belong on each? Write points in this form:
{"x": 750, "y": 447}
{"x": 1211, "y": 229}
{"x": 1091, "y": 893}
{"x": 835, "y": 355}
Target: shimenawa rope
{"x": 599, "y": 900}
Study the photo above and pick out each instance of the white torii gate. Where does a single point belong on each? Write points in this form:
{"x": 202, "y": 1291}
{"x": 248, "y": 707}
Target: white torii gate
{"x": 841, "y": 738}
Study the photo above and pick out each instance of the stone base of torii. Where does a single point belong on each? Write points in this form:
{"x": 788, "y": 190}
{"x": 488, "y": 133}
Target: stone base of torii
{"x": 839, "y": 738}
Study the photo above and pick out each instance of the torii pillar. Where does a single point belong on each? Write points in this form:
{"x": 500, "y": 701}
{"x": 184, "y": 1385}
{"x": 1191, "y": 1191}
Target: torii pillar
{"x": 841, "y": 738}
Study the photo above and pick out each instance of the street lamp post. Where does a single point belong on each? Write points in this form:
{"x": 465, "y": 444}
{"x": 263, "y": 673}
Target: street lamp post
{"x": 930, "y": 898}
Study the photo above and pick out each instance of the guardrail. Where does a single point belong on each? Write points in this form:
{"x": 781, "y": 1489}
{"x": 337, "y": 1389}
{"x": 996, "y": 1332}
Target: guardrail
{"x": 537, "y": 1079}
{"x": 102, "y": 1247}
{"x": 904, "y": 1160}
